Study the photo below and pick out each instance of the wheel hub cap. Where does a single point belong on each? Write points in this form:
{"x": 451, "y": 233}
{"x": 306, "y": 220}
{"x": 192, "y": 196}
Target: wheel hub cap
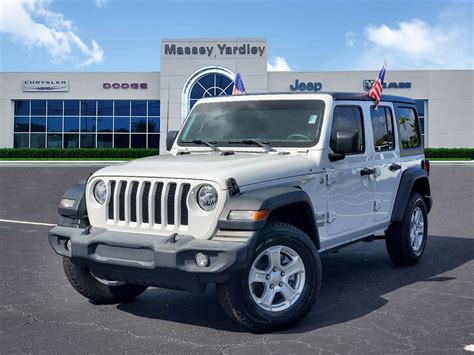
{"x": 417, "y": 229}
{"x": 277, "y": 278}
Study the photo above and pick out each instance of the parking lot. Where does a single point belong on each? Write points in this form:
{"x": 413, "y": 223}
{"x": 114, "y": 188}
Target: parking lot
{"x": 366, "y": 304}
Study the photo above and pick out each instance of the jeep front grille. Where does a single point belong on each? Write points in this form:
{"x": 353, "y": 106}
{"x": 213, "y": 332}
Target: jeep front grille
{"x": 148, "y": 202}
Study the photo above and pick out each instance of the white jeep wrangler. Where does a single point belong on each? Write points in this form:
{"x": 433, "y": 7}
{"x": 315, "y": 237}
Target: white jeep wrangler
{"x": 255, "y": 187}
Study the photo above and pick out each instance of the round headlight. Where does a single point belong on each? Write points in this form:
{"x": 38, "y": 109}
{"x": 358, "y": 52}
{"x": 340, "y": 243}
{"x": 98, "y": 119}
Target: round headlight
{"x": 207, "y": 197}
{"x": 100, "y": 191}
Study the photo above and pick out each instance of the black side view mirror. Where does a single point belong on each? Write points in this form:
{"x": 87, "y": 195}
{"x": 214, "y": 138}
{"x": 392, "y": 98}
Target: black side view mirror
{"x": 346, "y": 142}
{"x": 170, "y": 138}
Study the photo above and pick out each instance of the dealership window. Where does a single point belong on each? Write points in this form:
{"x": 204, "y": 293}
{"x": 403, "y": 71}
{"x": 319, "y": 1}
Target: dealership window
{"x": 86, "y": 123}
{"x": 421, "y": 106}
{"x": 210, "y": 85}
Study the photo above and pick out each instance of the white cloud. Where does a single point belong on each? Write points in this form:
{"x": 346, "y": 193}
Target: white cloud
{"x": 278, "y": 64}
{"x": 101, "y": 3}
{"x": 415, "y": 44}
{"x": 351, "y": 39}
{"x": 31, "y": 23}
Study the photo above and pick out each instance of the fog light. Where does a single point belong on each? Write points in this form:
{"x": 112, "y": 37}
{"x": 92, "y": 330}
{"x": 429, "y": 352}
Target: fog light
{"x": 68, "y": 245}
{"x": 202, "y": 260}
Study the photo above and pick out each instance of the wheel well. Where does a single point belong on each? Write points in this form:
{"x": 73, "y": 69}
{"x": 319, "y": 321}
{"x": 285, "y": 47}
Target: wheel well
{"x": 422, "y": 186}
{"x": 300, "y": 215}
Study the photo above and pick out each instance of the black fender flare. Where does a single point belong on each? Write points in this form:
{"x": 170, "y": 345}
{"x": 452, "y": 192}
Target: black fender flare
{"x": 410, "y": 177}
{"x": 269, "y": 198}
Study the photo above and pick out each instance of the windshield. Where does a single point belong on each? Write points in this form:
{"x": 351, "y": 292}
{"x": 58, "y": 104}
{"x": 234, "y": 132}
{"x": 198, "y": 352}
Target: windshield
{"x": 282, "y": 123}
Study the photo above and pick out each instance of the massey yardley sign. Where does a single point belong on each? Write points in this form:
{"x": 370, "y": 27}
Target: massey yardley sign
{"x": 213, "y": 50}
{"x": 45, "y": 85}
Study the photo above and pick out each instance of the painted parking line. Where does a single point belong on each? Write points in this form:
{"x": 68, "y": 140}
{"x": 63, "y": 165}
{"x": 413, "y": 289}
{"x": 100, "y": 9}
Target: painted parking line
{"x": 26, "y": 222}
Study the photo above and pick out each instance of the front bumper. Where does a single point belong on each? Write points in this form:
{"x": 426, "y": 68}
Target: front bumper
{"x": 152, "y": 260}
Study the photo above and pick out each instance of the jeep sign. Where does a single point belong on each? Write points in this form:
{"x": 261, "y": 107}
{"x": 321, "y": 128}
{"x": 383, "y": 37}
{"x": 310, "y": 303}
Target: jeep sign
{"x": 367, "y": 84}
{"x": 302, "y": 86}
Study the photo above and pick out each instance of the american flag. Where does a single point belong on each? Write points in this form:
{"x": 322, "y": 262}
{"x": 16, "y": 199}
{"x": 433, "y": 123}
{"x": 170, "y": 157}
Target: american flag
{"x": 375, "y": 91}
{"x": 239, "y": 88}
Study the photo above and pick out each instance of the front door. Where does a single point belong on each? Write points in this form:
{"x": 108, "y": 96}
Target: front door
{"x": 350, "y": 189}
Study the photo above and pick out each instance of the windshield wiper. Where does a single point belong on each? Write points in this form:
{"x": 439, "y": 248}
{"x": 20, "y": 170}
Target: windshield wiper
{"x": 263, "y": 144}
{"x": 211, "y": 144}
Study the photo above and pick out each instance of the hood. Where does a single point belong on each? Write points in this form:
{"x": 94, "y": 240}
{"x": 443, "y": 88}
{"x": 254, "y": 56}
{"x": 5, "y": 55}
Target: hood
{"x": 245, "y": 168}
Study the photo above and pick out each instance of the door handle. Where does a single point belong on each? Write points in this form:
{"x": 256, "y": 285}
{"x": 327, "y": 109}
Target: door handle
{"x": 366, "y": 172}
{"x": 395, "y": 167}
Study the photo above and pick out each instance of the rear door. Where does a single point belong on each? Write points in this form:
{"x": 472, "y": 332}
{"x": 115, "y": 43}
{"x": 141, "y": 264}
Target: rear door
{"x": 386, "y": 163}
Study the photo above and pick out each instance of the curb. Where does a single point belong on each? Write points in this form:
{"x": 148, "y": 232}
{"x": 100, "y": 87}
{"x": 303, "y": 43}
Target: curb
{"x": 57, "y": 163}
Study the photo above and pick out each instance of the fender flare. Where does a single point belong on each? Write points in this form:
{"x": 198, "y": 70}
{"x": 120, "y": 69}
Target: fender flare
{"x": 409, "y": 178}
{"x": 270, "y": 198}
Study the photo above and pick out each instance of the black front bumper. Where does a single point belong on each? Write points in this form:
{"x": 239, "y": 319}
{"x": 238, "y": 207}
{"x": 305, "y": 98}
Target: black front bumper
{"x": 152, "y": 260}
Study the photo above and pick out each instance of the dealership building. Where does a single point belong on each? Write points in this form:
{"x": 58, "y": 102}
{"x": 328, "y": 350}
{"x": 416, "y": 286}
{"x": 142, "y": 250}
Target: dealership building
{"x": 136, "y": 109}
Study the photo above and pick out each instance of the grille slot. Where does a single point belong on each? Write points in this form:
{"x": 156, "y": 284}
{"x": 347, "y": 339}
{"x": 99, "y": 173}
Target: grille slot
{"x": 133, "y": 202}
{"x": 145, "y": 198}
{"x": 111, "y": 200}
{"x": 184, "y": 206}
{"x": 158, "y": 193}
{"x": 170, "y": 206}
{"x": 123, "y": 186}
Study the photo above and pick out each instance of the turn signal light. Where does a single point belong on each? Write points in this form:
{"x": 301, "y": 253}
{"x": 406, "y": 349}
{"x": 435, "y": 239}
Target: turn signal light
{"x": 236, "y": 215}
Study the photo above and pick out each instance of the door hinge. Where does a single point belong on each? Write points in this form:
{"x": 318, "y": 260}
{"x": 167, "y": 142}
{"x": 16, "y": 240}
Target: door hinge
{"x": 331, "y": 216}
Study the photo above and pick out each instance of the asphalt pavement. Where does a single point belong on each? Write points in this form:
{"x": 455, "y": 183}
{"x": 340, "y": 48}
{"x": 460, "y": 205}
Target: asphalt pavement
{"x": 366, "y": 304}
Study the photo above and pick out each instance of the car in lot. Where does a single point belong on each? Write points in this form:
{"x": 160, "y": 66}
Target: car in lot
{"x": 253, "y": 189}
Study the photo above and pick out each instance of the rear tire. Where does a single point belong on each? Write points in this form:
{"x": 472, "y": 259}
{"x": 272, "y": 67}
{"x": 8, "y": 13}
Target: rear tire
{"x": 99, "y": 292}
{"x": 281, "y": 247}
{"x": 406, "y": 240}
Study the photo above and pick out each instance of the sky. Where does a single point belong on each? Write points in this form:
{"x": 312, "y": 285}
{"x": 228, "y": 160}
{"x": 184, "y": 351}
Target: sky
{"x": 125, "y": 35}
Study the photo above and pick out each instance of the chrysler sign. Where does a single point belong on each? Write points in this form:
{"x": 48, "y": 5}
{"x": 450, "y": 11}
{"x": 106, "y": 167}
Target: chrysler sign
{"x": 46, "y": 85}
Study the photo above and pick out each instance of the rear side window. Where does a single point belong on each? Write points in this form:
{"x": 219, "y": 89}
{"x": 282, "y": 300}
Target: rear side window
{"x": 409, "y": 130}
{"x": 347, "y": 118}
{"x": 382, "y": 127}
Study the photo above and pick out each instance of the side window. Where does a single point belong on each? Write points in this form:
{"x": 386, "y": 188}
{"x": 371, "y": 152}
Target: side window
{"x": 382, "y": 126}
{"x": 408, "y": 127}
{"x": 347, "y": 118}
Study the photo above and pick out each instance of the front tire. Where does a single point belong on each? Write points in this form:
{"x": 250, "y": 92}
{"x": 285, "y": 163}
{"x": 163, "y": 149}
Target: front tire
{"x": 279, "y": 286}
{"x": 97, "y": 290}
{"x": 406, "y": 240}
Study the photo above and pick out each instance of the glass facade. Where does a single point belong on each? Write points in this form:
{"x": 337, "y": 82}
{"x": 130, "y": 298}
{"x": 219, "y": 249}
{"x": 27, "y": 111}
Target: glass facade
{"x": 420, "y": 108}
{"x": 87, "y": 124}
{"x": 210, "y": 85}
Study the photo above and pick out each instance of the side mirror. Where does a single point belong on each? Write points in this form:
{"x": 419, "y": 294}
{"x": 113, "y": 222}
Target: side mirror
{"x": 170, "y": 138}
{"x": 346, "y": 142}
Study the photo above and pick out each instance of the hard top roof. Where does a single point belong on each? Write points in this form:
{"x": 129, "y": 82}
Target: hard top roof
{"x": 357, "y": 96}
